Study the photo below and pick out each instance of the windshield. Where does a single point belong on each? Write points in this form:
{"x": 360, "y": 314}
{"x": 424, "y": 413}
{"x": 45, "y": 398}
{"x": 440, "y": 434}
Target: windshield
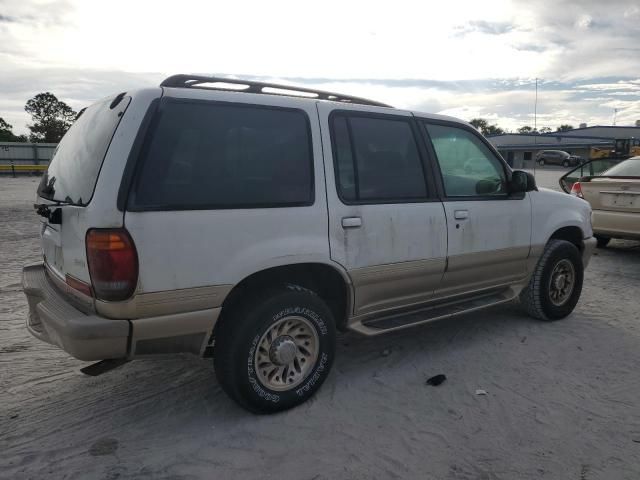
{"x": 74, "y": 168}
{"x": 628, "y": 168}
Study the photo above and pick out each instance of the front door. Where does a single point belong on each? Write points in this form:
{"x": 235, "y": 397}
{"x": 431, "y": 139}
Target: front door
{"x": 386, "y": 225}
{"x": 489, "y": 230}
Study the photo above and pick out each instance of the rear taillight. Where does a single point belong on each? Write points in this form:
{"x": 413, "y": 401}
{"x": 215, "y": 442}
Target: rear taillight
{"x": 79, "y": 285}
{"x": 576, "y": 189}
{"x": 113, "y": 263}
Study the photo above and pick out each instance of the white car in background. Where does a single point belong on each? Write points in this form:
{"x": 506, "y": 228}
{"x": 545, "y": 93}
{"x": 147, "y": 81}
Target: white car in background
{"x": 253, "y": 224}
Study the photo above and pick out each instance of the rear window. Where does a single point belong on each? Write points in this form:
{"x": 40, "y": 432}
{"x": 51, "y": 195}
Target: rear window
{"x": 76, "y": 162}
{"x": 219, "y": 155}
{"x": 628, "y": 168}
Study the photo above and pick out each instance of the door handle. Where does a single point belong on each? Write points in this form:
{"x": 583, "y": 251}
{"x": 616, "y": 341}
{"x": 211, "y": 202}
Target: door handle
{"x": 351, "y": 222}
{"x": 461, "y": 214}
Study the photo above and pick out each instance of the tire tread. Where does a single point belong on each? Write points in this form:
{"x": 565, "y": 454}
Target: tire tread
{"x": 231, "y": 332}
{"x": 531, "y": 296}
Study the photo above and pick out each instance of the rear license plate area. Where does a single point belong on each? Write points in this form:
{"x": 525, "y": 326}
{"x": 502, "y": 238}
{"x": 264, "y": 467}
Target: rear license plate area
{"x": 621, "y": 200}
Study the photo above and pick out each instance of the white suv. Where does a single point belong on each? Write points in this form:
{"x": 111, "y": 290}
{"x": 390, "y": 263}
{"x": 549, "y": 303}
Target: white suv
{"x": 253, "y": 224}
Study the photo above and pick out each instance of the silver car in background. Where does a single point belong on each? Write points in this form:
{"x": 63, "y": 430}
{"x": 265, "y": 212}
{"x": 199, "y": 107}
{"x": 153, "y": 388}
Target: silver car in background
{"x": 556, "y": 157}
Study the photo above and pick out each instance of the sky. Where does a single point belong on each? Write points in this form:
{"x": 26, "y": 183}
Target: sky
{"x": 463, "y": 58}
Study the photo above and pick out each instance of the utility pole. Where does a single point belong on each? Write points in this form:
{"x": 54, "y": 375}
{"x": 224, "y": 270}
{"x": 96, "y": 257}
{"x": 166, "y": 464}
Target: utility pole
{"x": 615, "y": 114}
{"x": 535, "y": 127}
{"x": 535, "y": 109}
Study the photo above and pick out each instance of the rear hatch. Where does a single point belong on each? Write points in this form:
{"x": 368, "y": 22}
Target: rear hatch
{"x": 68, "y": 185}
{"x": 612, "y": 194}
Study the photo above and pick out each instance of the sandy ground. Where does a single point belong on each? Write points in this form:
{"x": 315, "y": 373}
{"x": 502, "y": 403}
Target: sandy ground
{"x": 563, "y": 398}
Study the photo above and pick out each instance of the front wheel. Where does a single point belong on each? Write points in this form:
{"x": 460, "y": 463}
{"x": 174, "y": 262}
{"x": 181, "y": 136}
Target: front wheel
{"x": 555, "y": 286}
{"x": 277, "y": 351}
{"x": 541, "y": 162}
{"x": 565, "y": 163}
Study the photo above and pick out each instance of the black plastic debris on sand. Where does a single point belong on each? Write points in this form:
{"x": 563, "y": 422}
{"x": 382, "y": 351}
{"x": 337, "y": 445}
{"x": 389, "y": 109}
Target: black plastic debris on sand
{"x": 436, "y": 380}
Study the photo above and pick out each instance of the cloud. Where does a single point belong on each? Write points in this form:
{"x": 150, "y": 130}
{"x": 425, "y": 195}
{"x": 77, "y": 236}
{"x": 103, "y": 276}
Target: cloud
{"x": 584, "y": 21}
{"x": 77, "y": 87}
{"x": 531, "y": 47}
{"x": 38, "y": 13}
{"x": 486, "y": 27}
{"x": 471, "y": 60}
{"x": 594, "y": 38}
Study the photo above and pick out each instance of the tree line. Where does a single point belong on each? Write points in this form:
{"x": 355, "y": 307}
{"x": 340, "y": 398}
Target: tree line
{"x": 487, "y": 129}
{"x": 51, "y": 118}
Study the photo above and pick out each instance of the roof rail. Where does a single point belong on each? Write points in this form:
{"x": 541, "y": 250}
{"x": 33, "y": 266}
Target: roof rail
{"x": 197, "y": 81}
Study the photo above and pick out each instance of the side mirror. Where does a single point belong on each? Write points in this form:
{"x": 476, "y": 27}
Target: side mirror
{"x": 522, "y": 182}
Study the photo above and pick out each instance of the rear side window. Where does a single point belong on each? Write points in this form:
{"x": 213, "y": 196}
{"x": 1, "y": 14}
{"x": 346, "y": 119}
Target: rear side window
{"x": 218, "y": 155}
{"x": 376, "y": 159}
{"x": 76, "y": 162}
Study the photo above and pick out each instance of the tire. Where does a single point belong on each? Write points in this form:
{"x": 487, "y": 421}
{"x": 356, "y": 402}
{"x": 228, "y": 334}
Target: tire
{"x": 541, "y": 162}
{"x": 565, "y": 164}
{"x": 244, "y": 330}
{"x": 602, "y": 241}
{"x": 537, "y": 297}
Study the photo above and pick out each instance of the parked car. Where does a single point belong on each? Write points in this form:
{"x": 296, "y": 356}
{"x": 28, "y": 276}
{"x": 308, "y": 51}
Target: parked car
{"x": 576, "y": 160}
{"x": 556, "y": 157}
{"x": 614, "y": 195}
{"x": 252, "y": 226}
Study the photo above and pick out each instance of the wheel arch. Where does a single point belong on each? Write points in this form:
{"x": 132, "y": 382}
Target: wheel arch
{"x": 330, "y": 282}
{"x": 571, "y": 233}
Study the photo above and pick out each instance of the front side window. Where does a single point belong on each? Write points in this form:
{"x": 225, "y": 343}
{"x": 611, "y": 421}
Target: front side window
{"x": 377, "y": 159}
{"x": 218, "y": 155}
{"x": 467, "y": 165}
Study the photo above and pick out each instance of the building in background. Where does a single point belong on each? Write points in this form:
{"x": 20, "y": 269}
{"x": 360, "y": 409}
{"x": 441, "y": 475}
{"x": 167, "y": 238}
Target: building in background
{"x": 520, "y": 150}
{"x": 19, "y": 157}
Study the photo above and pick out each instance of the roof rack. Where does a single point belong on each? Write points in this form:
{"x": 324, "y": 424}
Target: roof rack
{"x": 199, "y": 81}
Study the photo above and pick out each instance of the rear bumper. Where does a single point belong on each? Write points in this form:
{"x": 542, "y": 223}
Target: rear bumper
{"x": 616, "y": 224}
{"x": 589, "y": 246}
{"x": 54, "y": 320}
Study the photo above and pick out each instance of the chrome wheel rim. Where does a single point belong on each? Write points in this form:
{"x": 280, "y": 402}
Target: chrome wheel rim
{"x": 561, "y": 282}
{"x": 286, "y": 353}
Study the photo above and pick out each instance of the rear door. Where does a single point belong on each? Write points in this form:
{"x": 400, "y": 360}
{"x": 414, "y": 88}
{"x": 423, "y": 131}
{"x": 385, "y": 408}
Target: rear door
{"x": 386, "y": 225}
{"x": 71, "y": 179}
{"x": 489, "y": 230}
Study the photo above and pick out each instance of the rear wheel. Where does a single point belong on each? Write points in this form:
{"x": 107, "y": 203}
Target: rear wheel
{"x": 277, "y": 351}
{"x": 555, "y": 286}
{"x": 602, "y": 241}
{"x": 541, "y": 162}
